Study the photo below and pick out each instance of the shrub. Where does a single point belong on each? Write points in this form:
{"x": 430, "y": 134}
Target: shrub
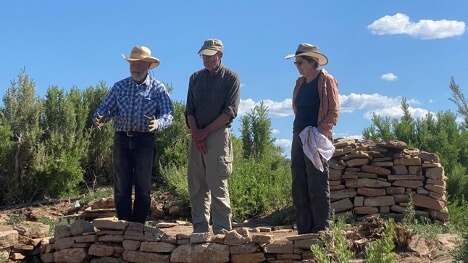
{"x": 334, "y": 246}
{"x": 381, "y": 250}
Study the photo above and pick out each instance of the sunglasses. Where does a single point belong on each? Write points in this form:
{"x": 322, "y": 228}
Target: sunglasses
{"x": 298, "y": 63}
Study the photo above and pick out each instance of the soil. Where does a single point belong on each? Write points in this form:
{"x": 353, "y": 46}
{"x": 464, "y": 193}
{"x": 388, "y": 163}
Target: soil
{"x": 433, "y": 250}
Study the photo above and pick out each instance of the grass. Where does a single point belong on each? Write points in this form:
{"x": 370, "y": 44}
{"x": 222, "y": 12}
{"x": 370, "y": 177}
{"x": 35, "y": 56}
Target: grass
{"x": 98, "y": 194}
{"x": 16, "y": 219}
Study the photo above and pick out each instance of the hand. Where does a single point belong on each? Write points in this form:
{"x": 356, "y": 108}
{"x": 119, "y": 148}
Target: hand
{"x": 201, "y": 147}
{"x": 153, "y": 123}
{"x": 99, "y": 119}
{"x": 199, "y": 135}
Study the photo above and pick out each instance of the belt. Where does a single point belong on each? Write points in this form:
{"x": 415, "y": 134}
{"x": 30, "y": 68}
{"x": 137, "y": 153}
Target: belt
{"x": 135, "y": 133}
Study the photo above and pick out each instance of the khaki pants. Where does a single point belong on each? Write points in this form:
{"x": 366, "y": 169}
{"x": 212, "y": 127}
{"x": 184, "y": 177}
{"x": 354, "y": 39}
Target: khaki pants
{"x": 208, "y": 182}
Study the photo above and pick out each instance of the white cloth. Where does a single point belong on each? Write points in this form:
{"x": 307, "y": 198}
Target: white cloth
{"x": 315, "y": 144}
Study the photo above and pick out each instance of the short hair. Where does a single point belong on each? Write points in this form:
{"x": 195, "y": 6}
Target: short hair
{"x": 310, "y": 60}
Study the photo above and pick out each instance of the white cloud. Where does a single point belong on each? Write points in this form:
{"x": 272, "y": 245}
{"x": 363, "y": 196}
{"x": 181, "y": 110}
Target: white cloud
{"x": 275, "y": 131}
{"x": 424, "y": 29}
{"x": 374, "y": 101}
{"x": 397, "y": 112}
{"x": 284, "y": 143}
{"x": 381, "y": 105}
{"x": 348, "y": 136}
{"x": 389, "y": 77}
{"x": 275, "y": 108}
{"x": 369, "y": 103}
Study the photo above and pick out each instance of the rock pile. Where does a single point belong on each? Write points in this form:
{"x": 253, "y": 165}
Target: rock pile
{"x": 111, "y": 240}
{"x": 22, "y": 240}
{"x": 369, "y": 178}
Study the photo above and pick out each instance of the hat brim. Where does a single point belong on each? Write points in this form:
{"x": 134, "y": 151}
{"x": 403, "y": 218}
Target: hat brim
{"x": 322, "y": 59}
{"x": 208, "y": 52}
{"x": 154, "y": 61}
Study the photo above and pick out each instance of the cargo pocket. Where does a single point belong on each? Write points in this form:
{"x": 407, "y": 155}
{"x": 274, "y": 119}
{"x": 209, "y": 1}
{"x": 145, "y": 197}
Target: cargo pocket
{"x": 225, "y": 166}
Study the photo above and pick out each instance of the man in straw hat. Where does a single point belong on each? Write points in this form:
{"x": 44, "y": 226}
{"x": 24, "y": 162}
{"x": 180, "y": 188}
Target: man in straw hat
{"x": 140, "y": 106}
{"x": 212, "y": 103}
{"x": 316, "y": 109}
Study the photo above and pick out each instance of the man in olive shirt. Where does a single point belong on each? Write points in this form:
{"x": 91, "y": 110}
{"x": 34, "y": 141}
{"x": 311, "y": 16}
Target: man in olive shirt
{"x": 212, "y": 103}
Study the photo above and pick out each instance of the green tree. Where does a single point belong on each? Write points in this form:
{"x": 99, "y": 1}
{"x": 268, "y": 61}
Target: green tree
{"x": 65, "y": 141}
{"x": 173, "y": 142}
{"x": 98, "y": 165}
{"x": 379, "y": 130}
{"x": 21, "y": 113}
{"x": 437, "y": 133}
{"x": 459, "y": 99}
{"x": 404, "y": 128}
{"x": 256, "y": 135}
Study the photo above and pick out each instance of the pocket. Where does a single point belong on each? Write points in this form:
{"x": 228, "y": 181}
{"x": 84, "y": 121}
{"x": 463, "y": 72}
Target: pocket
{"x": 225, "y": 166}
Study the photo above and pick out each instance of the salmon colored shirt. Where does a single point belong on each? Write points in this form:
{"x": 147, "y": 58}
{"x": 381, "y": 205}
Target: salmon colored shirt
{"x": 329, "y": 103}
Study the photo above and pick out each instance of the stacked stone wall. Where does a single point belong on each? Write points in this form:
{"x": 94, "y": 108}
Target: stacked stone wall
{"x": 380, "y": 178}
{"x": 110, "y": 240}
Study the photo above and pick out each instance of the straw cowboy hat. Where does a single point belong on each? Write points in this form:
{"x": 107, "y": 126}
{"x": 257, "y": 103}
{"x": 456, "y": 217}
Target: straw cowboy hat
{"x": 142, "y": 53}
{"x": 305, "y": 49}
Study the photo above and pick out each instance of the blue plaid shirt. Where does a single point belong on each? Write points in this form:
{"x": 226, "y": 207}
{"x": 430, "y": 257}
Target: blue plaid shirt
{"x": 128, "y": 101}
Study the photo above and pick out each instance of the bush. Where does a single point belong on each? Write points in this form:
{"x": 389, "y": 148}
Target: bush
{"x": 256, "y": 188}
{"x": 458, "y": 212}
{"x": 334, "y": 246}
{"x": 381, "y": 250}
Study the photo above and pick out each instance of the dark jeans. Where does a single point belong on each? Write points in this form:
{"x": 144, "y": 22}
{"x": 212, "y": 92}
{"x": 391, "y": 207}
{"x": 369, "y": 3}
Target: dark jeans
{"x": 133, "y": 164}
{"x": 310, "y": 191}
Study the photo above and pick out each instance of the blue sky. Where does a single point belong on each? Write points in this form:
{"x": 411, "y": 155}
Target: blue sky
{"x": 379, "y": 51}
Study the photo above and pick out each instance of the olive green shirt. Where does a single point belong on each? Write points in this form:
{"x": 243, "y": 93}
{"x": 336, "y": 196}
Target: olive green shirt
{"x": 210, "y": 96}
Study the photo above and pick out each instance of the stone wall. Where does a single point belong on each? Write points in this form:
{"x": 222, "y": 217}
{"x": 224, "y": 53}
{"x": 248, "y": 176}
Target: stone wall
{"x": 21, "y": 241}
{"x": 365, "y": 178}
{"x": 369, "y": 178}
{"x": 111, "y": 240}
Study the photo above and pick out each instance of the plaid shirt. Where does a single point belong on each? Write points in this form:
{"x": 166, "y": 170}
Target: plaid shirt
{"x": 128, "y": 101}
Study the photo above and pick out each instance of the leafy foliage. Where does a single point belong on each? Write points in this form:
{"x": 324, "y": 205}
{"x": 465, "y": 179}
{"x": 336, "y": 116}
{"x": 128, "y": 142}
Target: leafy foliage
{"x": 381, "y": 250}
{"x": 437, "y": 133}
{"x": 334, "y": 246}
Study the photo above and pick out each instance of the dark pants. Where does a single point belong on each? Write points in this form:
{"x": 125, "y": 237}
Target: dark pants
{"x": 133, "y": 164}
{"x": 310, "y": 191}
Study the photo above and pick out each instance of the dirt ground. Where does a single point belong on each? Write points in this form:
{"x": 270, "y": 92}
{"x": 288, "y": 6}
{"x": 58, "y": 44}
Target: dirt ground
{"x": 437, "y": 250}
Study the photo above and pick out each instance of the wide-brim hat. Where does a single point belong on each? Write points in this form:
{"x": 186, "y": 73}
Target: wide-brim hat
{"x": 305, "y": 49}
{"x": 142, "y": 53}
{"x": 210, "y": 47}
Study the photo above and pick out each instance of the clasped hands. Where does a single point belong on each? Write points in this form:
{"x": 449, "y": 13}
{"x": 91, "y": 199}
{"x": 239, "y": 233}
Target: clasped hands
{"x": 198, "y": 137}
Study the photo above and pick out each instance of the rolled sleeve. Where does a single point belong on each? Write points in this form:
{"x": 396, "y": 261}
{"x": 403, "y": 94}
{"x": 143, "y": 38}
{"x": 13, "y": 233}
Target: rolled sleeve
{"x": 166, "y": 113}
{"x": 233, "y": 97}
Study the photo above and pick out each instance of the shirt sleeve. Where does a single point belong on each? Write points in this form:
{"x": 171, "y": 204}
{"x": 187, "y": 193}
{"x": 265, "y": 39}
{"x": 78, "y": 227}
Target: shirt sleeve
{"x": 108, "y": 104}
{"x": 233, "y": 96}
{"x": 166, "y": 110}
{"x": 189, "y": 107}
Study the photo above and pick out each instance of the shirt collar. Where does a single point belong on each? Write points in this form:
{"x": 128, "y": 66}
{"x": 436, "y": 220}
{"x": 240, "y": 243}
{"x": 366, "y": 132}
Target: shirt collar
{"x": 146, "y": 82}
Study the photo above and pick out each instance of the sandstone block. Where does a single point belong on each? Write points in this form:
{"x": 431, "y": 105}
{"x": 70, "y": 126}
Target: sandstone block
{"x": 71, "y": 255}
{"x": 341, "y": 194}
{"x": 428, "y": 202}
{"x": 279, "y": 248}
{"x": 200, "y": 253}
{"x": 379, "y": 201}
{"x": 342, "y": 205}
{"x": 365, "y": 191}
{"x": 143, "y": 257}
{"x": 248, "y": 258}
{"x": 375, "y": 170}
{"x": 157, "y": 247}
